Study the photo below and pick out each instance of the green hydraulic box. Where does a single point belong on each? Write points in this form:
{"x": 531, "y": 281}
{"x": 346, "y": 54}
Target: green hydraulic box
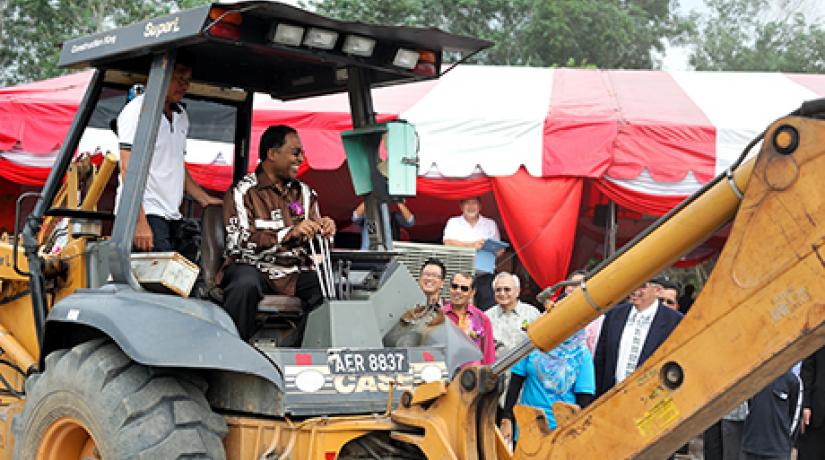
{"x": 401, "y": 168}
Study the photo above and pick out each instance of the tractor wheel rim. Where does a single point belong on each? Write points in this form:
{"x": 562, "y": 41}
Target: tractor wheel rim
{"x": 67, "y": 438}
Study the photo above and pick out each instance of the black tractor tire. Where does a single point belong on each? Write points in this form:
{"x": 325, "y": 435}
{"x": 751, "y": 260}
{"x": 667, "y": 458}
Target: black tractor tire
{"x": 131, "y": 411}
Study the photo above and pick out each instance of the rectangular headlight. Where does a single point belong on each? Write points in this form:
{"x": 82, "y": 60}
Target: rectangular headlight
{"x": 287, "y": 34}
{"x": 405, "y": 58}
{"x": 320, "y": 38}
{"x": 358, "y": 46}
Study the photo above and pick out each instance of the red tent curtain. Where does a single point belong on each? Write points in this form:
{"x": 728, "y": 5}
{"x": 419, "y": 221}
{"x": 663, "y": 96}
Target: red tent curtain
{"x": 654, "y": 205}
{"x": 453, "y": 189}
{"x": 26, "y": 175}
{"x": 540, "y": 213}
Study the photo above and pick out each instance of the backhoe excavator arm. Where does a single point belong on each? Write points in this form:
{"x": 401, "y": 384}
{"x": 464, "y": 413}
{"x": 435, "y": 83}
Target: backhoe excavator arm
{"x": 762, "y": 310}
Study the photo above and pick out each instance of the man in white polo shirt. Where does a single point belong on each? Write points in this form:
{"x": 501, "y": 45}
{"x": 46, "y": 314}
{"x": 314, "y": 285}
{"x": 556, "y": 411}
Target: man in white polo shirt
{"x": 469, "y": 230}
{"x": 159, "y": 220}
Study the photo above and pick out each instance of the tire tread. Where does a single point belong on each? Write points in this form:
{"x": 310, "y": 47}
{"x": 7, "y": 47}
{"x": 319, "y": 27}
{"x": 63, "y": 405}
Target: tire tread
{"x": 146, "y": 413}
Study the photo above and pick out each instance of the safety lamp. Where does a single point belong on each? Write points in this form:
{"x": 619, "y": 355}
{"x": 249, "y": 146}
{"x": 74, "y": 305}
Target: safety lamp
{"x": 287, "y": 34}
{"x": 225, "y": 23}
{"x": 426, "y": 64}
{"x": 358, "y": 46}
{"x": 320, "y": 38}
{"x": 406, "y": 59}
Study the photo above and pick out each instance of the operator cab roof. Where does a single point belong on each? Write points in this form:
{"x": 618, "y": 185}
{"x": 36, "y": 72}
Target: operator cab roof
{"x": 271, "y": 48}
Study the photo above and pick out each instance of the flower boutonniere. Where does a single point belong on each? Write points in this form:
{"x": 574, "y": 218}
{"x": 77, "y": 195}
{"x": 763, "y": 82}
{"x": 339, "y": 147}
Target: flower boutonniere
{"x": 296, "y": 210}
{"x": 474, "y": 334}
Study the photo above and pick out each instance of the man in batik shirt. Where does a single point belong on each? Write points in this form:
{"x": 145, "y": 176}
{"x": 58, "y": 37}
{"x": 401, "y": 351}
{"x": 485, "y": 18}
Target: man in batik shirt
{"x": 270, "y": 218}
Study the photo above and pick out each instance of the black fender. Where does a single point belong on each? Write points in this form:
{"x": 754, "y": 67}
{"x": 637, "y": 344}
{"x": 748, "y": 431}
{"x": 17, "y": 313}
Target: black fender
{"x": 159, "y": 330}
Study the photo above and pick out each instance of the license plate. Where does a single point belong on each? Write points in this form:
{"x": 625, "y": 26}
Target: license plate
{"x": 369, "y": 361}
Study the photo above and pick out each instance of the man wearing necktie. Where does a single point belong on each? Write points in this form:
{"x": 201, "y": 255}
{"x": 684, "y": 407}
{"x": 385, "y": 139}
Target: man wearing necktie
{"x": 630, "y": 333}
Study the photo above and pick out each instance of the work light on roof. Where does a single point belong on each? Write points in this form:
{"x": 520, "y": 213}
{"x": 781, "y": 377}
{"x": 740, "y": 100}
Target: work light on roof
{"x": 358, "y": 46}
{"x": 320, "y": 38}
{"x": 287, "y": 34}
{"x": 405, "y": 58}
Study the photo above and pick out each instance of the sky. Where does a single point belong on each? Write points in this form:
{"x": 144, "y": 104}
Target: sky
{"x": 676, "y": 57}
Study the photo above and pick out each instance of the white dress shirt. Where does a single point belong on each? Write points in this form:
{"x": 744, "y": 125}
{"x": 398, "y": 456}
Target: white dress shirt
{"x": 459, "y": 229}
{"x": 635, "y": 330}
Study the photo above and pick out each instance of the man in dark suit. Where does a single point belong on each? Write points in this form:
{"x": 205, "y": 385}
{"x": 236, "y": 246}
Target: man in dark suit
{"x": 630, "y": 333}
{"x": 811, "y": 443}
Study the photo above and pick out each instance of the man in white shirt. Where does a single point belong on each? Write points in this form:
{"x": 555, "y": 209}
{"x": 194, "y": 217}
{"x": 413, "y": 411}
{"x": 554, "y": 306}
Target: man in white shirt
{"x": 509, "y": 316}
{"x": 158, "y": 223}
{"x": 630, "y": 333}
{"x": 469, "y": 230}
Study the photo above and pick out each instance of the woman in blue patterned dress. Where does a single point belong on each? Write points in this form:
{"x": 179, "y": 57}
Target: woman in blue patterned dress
{"x": 565, "y": 374}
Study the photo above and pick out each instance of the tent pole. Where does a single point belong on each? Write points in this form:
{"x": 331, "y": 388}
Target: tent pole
{"x": 612, "y": 228}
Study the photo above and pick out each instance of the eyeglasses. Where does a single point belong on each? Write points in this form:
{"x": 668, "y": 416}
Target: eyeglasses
{"x": 504, "y": 289}
{"x": 462, "y": 287}
{"x": 668, "y": 301}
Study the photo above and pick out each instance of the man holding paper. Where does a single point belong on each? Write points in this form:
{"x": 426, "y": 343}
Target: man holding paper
{"x": 472, "y": 230}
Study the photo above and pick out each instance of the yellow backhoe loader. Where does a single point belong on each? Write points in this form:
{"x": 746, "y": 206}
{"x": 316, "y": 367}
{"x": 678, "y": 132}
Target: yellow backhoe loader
{"x": 97, "y": 365}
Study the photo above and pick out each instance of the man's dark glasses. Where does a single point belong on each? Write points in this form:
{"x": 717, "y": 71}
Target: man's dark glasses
{"x": 462, "y": 287}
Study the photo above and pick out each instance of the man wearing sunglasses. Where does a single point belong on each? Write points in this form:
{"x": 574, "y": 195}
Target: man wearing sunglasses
{"x": 630, "y": 333}
{"x": 468, "y": 318}
{"x": 270, "y": 218}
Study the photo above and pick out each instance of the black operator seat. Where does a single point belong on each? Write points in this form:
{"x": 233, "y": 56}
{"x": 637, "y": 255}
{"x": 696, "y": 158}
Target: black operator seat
{"x": 212, "y": 245}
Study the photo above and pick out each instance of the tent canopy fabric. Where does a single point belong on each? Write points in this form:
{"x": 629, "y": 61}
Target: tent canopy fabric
{"x": 656, "y": 132}
{"x": 528, "y": 137}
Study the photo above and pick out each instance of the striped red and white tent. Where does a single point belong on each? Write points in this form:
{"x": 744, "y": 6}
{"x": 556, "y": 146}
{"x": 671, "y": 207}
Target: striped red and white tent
{"x": 529, "y": 140}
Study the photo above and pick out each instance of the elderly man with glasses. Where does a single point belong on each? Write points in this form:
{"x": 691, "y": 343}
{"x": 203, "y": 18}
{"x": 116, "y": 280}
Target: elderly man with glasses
{"x": 468, "y": 318}
{"x": 509, "y": 317}
{"x": 630, "y": 333}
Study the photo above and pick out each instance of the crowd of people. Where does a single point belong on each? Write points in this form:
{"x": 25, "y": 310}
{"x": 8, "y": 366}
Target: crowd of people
{"x": 787, "y": 413}
{"x": 570, "y": 373}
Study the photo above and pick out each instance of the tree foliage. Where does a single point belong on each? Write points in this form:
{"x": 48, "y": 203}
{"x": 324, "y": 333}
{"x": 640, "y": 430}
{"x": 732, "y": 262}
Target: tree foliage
{"x": 31, "y": 31}
{"x": 604, "y": 33}
{"x": 743, "y": 35}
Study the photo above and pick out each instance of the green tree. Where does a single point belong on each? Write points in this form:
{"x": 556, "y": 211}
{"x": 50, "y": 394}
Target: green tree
{"x": 32, "y": 30}
{"x": 604, "y": 33}
{"x": 743, "y": 35}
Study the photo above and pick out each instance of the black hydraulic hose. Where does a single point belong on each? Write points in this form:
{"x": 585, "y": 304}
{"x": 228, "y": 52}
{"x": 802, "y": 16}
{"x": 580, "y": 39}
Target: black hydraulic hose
{"x": 16, "y": 235}
{"x": 15, "y": 367}
{"x": 11, "y": 389}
